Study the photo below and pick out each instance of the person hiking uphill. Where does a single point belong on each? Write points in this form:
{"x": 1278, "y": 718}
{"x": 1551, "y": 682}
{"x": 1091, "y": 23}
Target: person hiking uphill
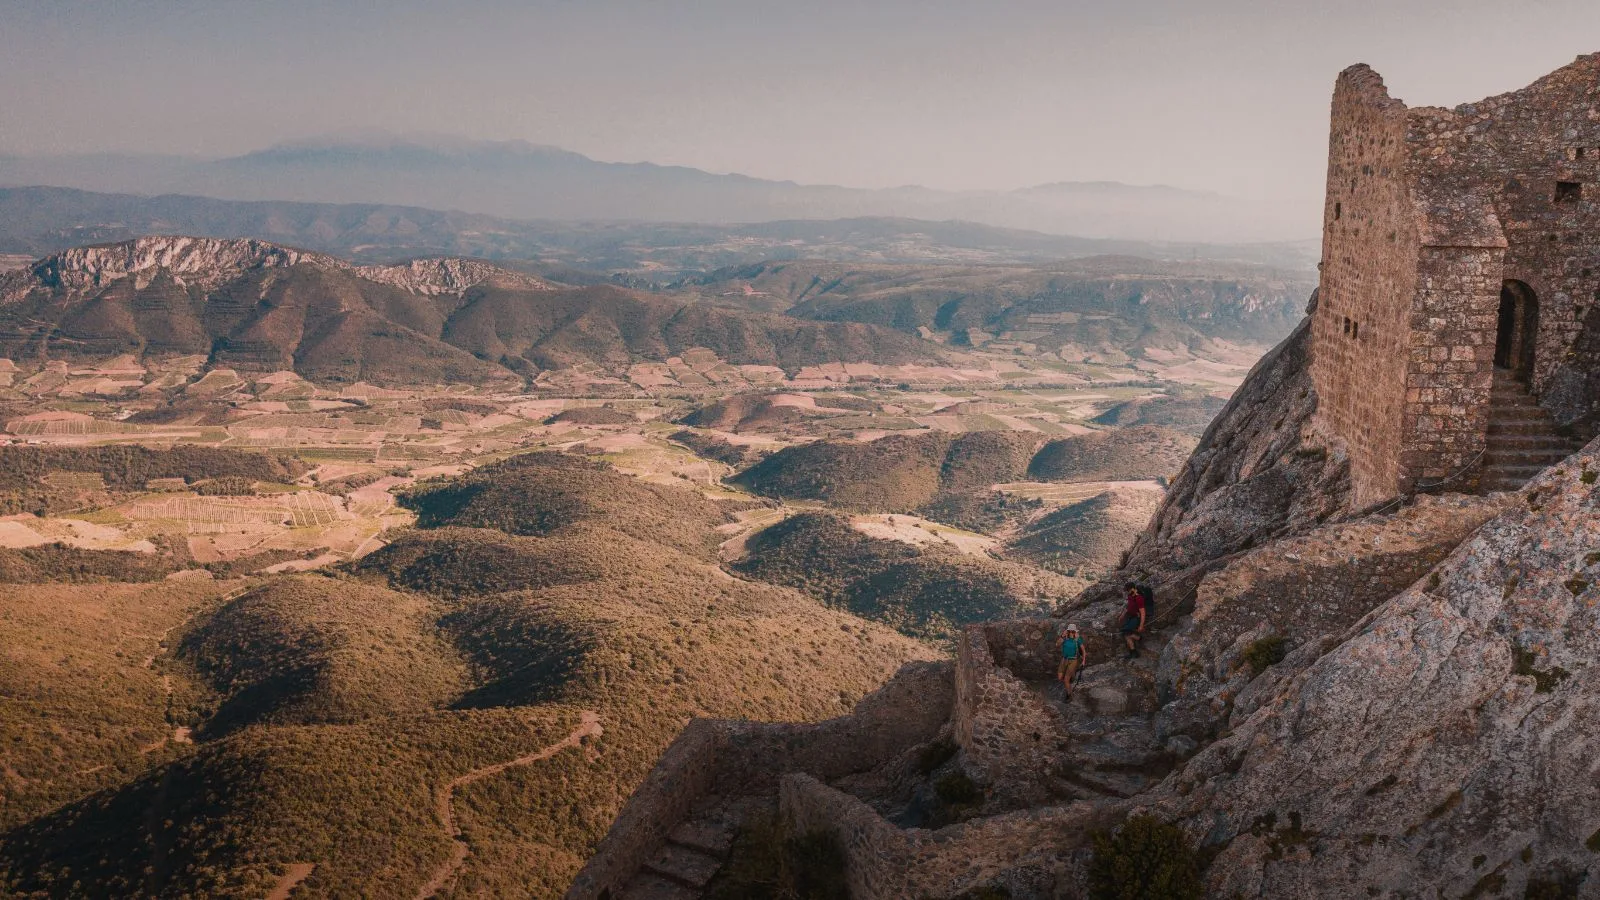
{"x": 1133, "y": 618}
{"x": 1073, "y": 656}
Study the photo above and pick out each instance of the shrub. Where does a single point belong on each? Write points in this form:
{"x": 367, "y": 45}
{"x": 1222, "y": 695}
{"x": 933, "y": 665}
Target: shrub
{"x": 226, "y": 486}
{"x": 957, "y": 789}
{"x": 1145, "y": 860}
{"x": 1265, "y": 653}
{"x": 935, "y": 755}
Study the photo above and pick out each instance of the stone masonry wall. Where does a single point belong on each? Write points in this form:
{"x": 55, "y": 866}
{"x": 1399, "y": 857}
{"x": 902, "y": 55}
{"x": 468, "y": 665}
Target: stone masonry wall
{"x": 1027, "y": 852}
{"x": 1361, "y": 328}
{"x": 712, "y": 757}
{"x": 1445, "y": 417}
{"x": 1534, "y": 155}
{"x": 1429, "y": 212}
{"x": 1010, "y": 737}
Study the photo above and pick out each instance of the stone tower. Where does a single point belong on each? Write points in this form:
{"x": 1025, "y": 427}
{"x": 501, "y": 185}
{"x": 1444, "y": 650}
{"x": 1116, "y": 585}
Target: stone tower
{"x": 1456, "y": 337}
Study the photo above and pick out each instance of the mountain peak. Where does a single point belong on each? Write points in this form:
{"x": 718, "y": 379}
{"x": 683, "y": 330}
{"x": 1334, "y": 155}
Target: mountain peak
{"x": 208, "y": 262}
{"x": 189, "y": 260}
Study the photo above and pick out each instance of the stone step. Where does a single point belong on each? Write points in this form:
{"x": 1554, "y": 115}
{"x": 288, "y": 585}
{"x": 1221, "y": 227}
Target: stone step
{"x": 1493, "y": 453}
{"x": 684, "y": 865}
{"x": 713, "y": 837}
{"x": 1526, "y": 429}
{"x": 647, "y": 886}
{"x": 1515, "y": 455}
{"x": 1517, "y": 413}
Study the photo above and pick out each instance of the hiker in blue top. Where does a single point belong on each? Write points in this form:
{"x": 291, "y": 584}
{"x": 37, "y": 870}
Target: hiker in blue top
{"x": 1072, "y": 657}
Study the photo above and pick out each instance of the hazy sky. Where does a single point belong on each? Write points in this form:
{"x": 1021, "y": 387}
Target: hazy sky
{"x": 1226, "y": 96}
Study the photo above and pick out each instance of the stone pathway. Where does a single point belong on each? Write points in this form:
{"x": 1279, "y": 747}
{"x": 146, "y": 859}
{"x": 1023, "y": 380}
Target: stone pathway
{"x": 693, "y": 853}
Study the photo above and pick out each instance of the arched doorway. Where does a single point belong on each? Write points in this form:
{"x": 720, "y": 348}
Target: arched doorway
{"x": 1518, "y": 330}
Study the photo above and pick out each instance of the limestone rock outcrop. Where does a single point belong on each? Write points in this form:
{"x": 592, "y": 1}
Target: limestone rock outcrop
{"x": 1444, "y": 746}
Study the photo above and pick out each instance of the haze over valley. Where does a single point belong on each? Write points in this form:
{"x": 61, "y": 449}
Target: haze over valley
{"x": 1067, "y": 464}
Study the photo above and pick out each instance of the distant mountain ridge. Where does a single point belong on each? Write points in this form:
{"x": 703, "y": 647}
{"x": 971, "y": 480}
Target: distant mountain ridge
{"x": 519, "y": 180}
{"x": 37, "y": 221}
{"x": 255, "y": 305}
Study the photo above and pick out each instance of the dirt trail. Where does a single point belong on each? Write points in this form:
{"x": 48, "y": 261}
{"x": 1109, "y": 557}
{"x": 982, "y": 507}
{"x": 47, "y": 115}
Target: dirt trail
{"x": 588, "y": 726}
{"x": 181, "y": 734}
{"x": 297, "y": 873}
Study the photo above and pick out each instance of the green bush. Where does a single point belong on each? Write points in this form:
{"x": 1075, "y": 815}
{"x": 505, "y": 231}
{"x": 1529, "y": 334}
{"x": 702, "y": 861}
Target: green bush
{"x": 1265, "y": 653}
{"x": 1145, "y": 860}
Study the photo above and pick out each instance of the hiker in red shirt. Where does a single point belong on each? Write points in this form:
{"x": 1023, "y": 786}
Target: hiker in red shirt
{"x": 1133, "y": 618}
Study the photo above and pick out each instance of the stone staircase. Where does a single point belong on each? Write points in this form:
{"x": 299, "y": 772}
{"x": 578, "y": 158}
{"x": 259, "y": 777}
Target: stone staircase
{"x": 693, "y": 853}
{"x": 1522, "y": 439}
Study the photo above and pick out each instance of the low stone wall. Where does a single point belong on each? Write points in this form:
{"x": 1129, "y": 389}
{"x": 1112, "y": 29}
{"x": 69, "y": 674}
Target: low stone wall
{"x": 1030, "y": 648}
{"x": 1012, "y": 739}
{"x": 1029, "y": 852}
{"x": 730, "y": 758}
{"x": 878, "y": 856}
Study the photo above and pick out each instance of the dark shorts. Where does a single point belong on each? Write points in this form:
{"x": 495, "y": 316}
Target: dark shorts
{"x": 1130, "y": 624}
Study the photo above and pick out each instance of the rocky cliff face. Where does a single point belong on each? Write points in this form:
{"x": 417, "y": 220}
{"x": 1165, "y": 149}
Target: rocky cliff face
{"x": 210, "y": 262}
{"x": 1258, "y": 475}
{"x": 206, "y": 262}
{"x": 1443, "y": 747}
{"x": 449, "y": 275}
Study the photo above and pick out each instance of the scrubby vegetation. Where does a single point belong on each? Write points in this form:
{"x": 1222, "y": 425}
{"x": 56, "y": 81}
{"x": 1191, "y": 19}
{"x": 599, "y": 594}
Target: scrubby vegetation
{"x": 1084, "y": 538}
{"x": 1187, "y": 412}
{"x": 542, "y": 493}
{"x": 317, "y": 650}
{"x": 83, "y": 710}
{"x": 23, "y": 470}
{"x": 712, "y": 447}
{"x": 898, "y": 473}
{"x": 331, "y": 709}
{"x": 922, "y": 593}
{"x": 593, "y": 415}
{"x": 61, "y": 563}
{"x": 1265, "y": 653}
{"x": 1145, "y": 859}
{"x": 1124, "y": 454}
{"x": 345, "y": 486}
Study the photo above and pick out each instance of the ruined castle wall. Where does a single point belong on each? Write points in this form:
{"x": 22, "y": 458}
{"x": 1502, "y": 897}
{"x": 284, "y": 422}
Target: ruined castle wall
{"x": 1450, "y": 377}
{"x": 1361, "y": 328}
{"x": 878, "y": 856}
{"x": 1535, "y": 153}
{"x": 883, "y": 862}
{"x": 1010, "y": 737}
{"x": 722, "y": 758}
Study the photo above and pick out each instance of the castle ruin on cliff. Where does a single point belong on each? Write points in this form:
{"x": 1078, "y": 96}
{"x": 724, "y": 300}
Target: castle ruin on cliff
{"x": 1456, "y": 338}
{"x": 1454, "y": 348}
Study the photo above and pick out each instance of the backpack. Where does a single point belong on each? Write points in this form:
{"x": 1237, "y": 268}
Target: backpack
{"x": 1149, "y": 595}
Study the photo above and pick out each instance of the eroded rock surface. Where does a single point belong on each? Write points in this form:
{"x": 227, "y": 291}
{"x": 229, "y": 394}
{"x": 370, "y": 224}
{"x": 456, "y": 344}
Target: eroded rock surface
{"x": 1443, "y": 747}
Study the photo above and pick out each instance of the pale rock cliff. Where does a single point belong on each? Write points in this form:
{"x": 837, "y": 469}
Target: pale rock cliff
{"x": 1443, "y": 746}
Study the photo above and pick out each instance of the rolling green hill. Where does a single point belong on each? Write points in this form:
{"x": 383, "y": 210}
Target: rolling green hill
{"x": 898, "y": 473}
{"x": 546, "y": 493}
{"x": 921, "y": 592}
{"x": 1124, "y": 454}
